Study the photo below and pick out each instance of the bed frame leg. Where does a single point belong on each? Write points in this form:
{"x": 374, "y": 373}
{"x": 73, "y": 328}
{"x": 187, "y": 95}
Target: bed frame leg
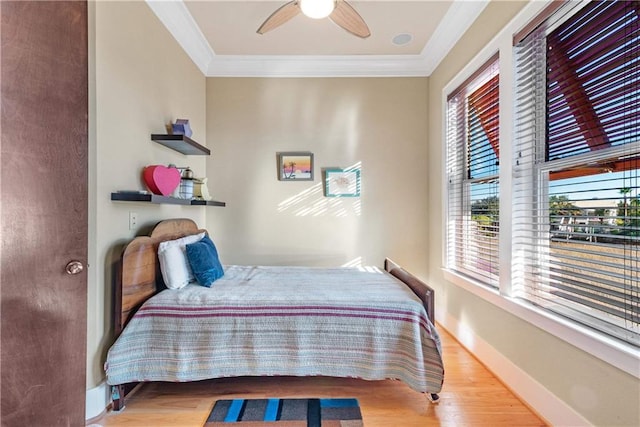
{"x": 433, "y": 397}
{"x": 117, "y": 397}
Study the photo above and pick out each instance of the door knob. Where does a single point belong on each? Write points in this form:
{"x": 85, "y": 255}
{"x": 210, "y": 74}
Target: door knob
{"x": 74, "y": 267}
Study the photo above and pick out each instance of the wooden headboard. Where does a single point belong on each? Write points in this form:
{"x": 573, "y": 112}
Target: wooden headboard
{"x": 139, "y": 276}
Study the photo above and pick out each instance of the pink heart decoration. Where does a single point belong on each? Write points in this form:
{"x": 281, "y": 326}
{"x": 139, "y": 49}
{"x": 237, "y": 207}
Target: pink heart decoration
{"x": 161, "y": 179}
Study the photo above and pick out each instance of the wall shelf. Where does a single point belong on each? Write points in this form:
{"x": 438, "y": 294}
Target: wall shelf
{"x": 154, "y": 198}
{"x": 181, "y": 143}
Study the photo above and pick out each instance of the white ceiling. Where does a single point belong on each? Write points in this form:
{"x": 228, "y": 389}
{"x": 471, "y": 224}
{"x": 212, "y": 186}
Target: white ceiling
{"x": 220, "y": 37}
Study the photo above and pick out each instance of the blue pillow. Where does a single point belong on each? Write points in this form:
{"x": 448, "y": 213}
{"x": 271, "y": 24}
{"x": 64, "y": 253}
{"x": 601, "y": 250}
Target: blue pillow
{"x": 203, "y": 258}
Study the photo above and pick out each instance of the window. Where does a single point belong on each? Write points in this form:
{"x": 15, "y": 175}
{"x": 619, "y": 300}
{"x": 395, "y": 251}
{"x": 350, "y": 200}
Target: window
{"x": 576, "y": 185}
{"x": 473, "y": 154}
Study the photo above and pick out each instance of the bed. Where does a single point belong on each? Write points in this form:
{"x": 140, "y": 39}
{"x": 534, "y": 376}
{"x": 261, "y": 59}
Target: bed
{"x": 269, "y": 321}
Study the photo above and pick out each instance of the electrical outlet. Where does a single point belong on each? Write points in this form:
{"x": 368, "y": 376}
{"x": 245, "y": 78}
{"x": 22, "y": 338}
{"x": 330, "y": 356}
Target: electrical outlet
{"x": 133, "y": 220}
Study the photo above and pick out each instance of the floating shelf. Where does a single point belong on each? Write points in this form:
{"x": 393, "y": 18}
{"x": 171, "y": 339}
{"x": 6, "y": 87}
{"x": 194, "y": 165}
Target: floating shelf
{"x": 181, "y": 143}
{"x": 154, "y": 198}
{"x": 207, "y": 203}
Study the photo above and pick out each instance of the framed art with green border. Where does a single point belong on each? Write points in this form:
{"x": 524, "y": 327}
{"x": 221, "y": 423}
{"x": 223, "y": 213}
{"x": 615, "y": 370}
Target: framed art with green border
{"x": 342, "y": 182}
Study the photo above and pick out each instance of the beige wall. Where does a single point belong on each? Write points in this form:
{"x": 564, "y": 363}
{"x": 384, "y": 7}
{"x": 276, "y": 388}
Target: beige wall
{"x": 379, "y": 123}
{"x": 596, "y": 390}
{"x": 142, "y": 80}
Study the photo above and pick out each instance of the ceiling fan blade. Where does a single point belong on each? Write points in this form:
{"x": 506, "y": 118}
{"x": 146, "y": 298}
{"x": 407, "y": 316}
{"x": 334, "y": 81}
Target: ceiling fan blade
{"x": 280, "y": 16}
{"x": 346, "y": 16}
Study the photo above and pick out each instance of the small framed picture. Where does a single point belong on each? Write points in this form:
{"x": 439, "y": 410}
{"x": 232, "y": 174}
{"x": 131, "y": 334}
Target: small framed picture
{"x": 342, "y": 182}
{"x": 295, "y": 166}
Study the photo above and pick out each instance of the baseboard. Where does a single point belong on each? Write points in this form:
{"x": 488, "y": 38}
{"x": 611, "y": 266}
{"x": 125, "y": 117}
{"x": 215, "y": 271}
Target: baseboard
{"x": 547, "y": 405}
{"x": 97, "y": 401}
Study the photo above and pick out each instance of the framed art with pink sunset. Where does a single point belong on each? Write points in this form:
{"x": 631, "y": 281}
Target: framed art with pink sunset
{"x": 295, "y": 166}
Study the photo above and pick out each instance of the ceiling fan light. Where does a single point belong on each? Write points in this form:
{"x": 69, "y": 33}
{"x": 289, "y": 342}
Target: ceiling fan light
{"x": 317, "y": 9}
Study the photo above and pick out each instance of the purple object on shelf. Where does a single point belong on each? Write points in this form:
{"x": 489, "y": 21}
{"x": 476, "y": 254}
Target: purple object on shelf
{"x": 181, "y": 127}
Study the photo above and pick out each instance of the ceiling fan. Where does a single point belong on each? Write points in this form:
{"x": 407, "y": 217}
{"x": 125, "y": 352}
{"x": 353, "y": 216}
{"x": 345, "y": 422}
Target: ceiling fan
{"x": 339, "y": 11}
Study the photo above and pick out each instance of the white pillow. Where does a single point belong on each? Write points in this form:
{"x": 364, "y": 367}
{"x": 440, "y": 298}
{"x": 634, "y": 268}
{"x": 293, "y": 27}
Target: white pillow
{"x": 174, "y": 265}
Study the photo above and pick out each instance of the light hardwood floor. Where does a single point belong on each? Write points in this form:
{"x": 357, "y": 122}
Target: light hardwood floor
{"x": 471, "y": 396}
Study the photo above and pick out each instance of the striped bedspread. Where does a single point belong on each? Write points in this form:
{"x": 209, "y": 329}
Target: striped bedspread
{"x": 297, "y": 321}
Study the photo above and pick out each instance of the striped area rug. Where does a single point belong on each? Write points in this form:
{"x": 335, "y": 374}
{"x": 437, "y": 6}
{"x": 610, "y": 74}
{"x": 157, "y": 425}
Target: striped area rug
{"x": 286, "y": 413}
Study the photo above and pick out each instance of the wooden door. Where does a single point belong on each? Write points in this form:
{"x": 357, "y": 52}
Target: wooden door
{"x": 43, "y": 190}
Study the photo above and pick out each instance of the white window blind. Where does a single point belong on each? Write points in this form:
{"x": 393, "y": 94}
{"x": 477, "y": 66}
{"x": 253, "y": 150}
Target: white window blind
{"x": 576, "y": 215}
{"x": 472, "y": 174}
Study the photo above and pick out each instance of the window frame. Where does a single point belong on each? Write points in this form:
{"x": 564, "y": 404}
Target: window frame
{"x": 460, "y": 145}
{"x": 614, "y": 352}
{"x": 595, "y": 296}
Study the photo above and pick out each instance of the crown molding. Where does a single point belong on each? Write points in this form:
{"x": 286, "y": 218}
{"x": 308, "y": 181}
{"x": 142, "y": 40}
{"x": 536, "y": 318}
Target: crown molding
{"x": 175, "y": 16}
{"x": 317, "y": 66}
{"x": 457, "y": 20}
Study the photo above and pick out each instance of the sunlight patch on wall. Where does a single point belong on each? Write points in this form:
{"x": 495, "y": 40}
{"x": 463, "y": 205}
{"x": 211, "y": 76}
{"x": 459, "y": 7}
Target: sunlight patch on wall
{"x": 465, "y": 334}
{"x": 356, "y": 262}
{"x": 312, "y": 202}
